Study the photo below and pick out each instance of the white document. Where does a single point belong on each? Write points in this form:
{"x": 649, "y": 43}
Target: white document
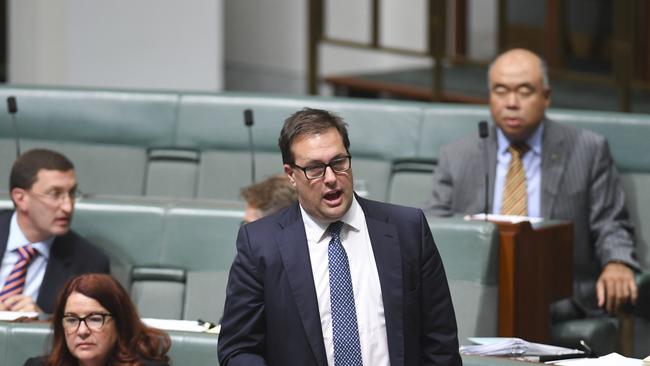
{"x": 512, "y": 347}
{"x": 609, "y": 360}
{"x": 503, "y": 218}
{"x": 182, "y": 325}
{"x": 13, "y": 315}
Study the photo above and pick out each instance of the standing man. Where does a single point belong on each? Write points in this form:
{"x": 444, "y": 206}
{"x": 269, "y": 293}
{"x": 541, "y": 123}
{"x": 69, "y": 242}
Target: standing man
{"x": 335, "y": 279}
{"x": 541, "y": 168}
{"x": 38, "y": 251}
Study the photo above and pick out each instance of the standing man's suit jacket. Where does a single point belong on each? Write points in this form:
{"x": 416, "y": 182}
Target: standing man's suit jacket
{"x": 579, "y": 183}
{"x": 271, "y": 316}
{"x": 70, "y": 255}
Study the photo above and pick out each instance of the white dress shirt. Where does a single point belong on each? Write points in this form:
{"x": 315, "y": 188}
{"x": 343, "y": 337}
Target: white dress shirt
{"x": 37, "y": 266}
{"x": 365, "y": 283}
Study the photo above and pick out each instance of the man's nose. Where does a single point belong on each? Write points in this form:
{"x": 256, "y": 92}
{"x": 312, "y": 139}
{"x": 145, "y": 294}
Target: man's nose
{"x": 512, "y": 100}
{"x": 67, "y": 204}
{"x": 330, "y": 176}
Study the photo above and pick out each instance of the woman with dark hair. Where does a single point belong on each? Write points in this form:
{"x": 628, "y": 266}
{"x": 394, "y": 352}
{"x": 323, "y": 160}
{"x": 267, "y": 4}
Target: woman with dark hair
{"x": 95, "y": 324}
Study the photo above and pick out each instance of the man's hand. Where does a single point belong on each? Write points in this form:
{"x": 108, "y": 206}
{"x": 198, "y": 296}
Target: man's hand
{"x": 19, "y": 303}
{"x": 616, "y": 285}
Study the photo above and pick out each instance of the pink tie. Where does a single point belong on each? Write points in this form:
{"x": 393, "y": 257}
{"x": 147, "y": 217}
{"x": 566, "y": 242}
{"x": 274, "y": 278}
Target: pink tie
{"x": 15, "y": 282}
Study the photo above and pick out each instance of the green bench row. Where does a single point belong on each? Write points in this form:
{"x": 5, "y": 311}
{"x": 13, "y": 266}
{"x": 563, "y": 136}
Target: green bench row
{"x": 174, "y": 257}
{"x": 19, "y": 341}
{"x": 196, "y": 145}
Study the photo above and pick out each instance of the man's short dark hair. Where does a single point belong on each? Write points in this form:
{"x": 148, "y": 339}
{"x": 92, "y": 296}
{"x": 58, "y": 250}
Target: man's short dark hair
{"x": 271, "y": 194}
{"x": 309, "y": 121}
{"x": 26, "y": 167}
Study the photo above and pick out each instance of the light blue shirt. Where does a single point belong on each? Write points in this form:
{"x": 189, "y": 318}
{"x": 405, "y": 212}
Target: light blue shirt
{"x": 38, "y": 264}
{"x": 532, "y": 165}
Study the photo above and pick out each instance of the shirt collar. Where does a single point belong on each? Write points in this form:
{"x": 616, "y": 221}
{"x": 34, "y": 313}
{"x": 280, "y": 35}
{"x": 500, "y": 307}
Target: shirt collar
{"x": 534, "y": 141}
{"x": 17, "y": 239}
{"x": 316, "y": 230}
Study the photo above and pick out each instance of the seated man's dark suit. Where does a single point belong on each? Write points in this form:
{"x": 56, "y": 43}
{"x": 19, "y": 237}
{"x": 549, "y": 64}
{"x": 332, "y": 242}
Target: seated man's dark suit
{"x": 70, "y": 255}
{"x": 579, "y": 183}
{"x": 271, "y": 316}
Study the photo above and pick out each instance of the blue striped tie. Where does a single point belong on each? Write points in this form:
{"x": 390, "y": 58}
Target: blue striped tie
{"x": 15, "y": 282}
{"x": 345, "y": 330}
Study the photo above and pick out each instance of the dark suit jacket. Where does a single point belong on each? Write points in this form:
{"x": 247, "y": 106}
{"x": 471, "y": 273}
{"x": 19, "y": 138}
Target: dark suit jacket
{"x": 70, "y": 255}
{"x": 580, "y": 183}
{"x": 40, "y": 361}
{"x": 271, "y": 315}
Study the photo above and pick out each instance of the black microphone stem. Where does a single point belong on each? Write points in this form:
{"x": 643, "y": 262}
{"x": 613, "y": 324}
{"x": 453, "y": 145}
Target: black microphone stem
{"x": 483, "y": 133}
{"x": 248, "y": 122}
{"x": 12, "y": 108}
{"x": 17, "y": 142}
{"x": 252, "y": 149}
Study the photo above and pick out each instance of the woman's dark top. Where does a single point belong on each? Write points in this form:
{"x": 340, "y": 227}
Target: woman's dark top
{"x": 40, "y": 361}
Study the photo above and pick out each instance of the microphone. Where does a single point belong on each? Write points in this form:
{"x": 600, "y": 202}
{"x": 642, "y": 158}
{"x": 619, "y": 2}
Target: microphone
{"x": 248, "y": 122}
{"x": 483, "y": 134}
{"x": 12, "y": 109}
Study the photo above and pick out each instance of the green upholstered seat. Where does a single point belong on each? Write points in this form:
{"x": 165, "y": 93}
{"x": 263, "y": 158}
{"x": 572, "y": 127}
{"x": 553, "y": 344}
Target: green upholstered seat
{"x": 469, "y": 252}
{"x": 20, "y": 341}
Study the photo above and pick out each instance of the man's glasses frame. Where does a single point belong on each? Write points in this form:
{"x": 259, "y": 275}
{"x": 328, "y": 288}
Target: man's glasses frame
{"x": 57, "y": 197}
{"x": 338, "y": 165}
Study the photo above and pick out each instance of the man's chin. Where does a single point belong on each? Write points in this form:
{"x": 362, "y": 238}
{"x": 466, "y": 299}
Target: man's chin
{"x": 60, "y": 230}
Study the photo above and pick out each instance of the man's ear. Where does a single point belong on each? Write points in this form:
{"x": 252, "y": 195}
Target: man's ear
{"x": 19, "y": 196}
{"x": 289, "y": 172}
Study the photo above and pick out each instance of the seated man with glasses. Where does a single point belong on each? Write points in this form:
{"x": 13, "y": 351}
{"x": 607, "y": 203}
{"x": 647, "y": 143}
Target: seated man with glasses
{"x": 38, "y": 251}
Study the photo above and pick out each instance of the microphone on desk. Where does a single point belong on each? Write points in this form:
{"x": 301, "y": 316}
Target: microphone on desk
{"x": 248, "y": 122}
{"x": 483, "y": 134}
{"x": 12, "y": 109}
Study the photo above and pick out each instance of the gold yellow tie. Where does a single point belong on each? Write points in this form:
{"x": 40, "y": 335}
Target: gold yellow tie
{"x": 515, "y": 197}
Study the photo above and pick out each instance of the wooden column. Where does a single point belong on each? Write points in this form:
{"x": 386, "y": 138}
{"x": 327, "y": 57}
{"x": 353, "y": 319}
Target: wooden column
{"x": 535, "y": 270}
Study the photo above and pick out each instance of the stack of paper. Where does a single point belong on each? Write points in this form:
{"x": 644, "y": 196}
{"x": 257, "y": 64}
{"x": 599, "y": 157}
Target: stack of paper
{"x": 182, "y": 325}
{"x": 612, "y": 359}
{"x": 512, "y": 347}
{"x": 503, "y": 218}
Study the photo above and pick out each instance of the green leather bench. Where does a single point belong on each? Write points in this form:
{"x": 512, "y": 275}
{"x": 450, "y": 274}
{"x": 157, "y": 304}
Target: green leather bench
{"x": 174, "y": 257}
{"x": 470, "y": 252}
{"x": 195, "y": 145}
{"x": 19, "y": 341}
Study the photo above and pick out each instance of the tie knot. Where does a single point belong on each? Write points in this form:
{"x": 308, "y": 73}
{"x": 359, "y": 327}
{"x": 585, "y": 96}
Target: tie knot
{"x": 26, "y": 252}
{"x": 519, "y": 149}
{"x": 335, "y": 228}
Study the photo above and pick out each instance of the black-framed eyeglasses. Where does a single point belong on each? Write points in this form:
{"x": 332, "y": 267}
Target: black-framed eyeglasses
{"x": 93, "y": 321}
{"x": 339, "y": 165}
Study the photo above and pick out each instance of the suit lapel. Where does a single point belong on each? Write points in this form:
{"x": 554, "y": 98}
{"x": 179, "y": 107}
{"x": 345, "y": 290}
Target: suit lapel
{"x": 554, "y": 159}
{"x": 56, "y": 272}
{"x": 492, "y": 165}
{"x": 5, "y": 222}
{"x": 386, "y": 248}
{"x": 292, "y": 244}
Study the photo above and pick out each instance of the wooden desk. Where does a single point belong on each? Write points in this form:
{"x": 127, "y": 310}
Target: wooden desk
{"x": 535, "y": 269}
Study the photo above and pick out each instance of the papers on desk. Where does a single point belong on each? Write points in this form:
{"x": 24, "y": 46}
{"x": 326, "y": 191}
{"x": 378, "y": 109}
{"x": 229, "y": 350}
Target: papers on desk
{"x": 512, "y": 347}
{"x": 504, "y": 218}
{"x": 13, "y": 315}
{"x": 182, "y": 325}
{"x": 609, "y": 360}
